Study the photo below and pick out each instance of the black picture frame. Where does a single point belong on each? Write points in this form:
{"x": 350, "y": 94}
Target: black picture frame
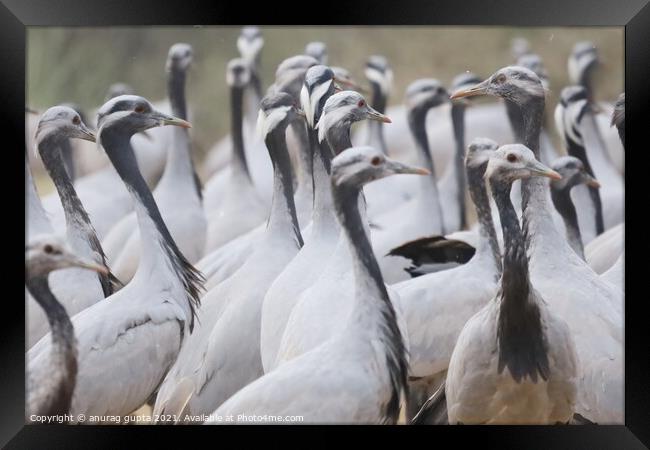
{"x": 634, "y": 15}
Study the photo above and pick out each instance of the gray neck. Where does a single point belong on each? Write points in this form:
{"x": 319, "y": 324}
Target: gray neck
{"x": 428, "y": 184}
{"x": 68, "y": 158}
{"x": 338, "y": 136}
{"x": 304, "y": 160}
{"x": 533, "y": 190}
{"x": 562, "y": 201}
{"x": 238, "y": 163}
{"x": 63, "y": 358}
{"x": 577, "y": 150}
{"x": 179, "y": 170}
{"x": 522, "y": 343}
{"x": 157, "y": 243}
{"x": 458, "y": 123}
{"x": 282, "y": 220}
{"x": 49, "y": 149}
{"x": 479, "y": 195}
{"x": 76, "y": 217}
{"x": 372, "y": 307}
{"x": 323, "y": 217}
{"x": 376, "y": 128}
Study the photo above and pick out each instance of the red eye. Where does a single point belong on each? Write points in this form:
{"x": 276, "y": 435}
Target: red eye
{"x": 512, "y": 158}
{"x": 375, "y": 161}
{"x": 361, "y": 104}
{"x": 76, "y": 120}
{"x": 139, "y": 109}
{"x": 501, "y": 79}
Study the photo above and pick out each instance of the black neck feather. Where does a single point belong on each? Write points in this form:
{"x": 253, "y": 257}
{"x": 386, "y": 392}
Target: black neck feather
{"x": 521, "y": 338}
{"x": 238, "y": 159}
{"x": 64, "y": 347}
{"x": 346, "y": 201}
{"x": 118, "y": 148}
{"x": 375, "y": 128}
{"x": 305, "y": 154}
{"x": 516, "y": 120}
{"x": 417, "y": 125}
{"x": 529, "y": 128}
{"x": 75, "y": 213}
{"x": 176, "y": 94}
{"x": 479, "y": 195}
{"x": 458, "y": 123}
{"x": 578, "y": 150}
{"x": 283, "y": 181}
{"x": 564, "y": 205}
{"x": 338, "y": 136}
{"x": 68, "y": 158}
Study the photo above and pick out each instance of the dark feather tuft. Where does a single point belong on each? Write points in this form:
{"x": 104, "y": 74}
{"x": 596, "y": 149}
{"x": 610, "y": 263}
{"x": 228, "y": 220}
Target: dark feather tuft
{"x": 434, "y": 249}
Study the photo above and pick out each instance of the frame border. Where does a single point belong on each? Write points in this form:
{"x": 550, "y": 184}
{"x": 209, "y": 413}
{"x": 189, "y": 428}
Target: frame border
{"x": 634, "y": 15}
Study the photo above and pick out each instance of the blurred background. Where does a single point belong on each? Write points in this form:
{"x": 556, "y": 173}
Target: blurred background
{"x": 79, "y": 64}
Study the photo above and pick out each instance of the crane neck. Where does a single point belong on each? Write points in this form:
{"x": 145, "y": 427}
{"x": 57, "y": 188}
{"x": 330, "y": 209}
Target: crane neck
{"x": 516, "y": 120}
{"x": 238, "y": 164}
{"x": 488, "y": 241}
{"x": 522, "y": 346}
{"x": 159, "y": 252}
{"x": 542, "y": 236}
{"x": 527, "y": 120}
{"x": 254, "y": 92}
{"x": 372, "y": 311}
{"x": 428, "y": 184}
{"x": 598, "y": 155}
{"x": 49, "y": 149}
{"x": 176, "y": 92}
{"x": 578, "y": 150}
{"x": 303, "y": 170}
{"x": 564, "y": 205}
{"x": 283, "y": 220}
{"x": 63, "y": 357}
{"x": 79, "y": 229}
{"x": 338, "y": 136}
{"x": 180, "y": 174}
{"x": 68, "y": 158}
{"x": 458, "y": 124}
{"x": 375, "y": 128}
{"x": 323, "y": 216}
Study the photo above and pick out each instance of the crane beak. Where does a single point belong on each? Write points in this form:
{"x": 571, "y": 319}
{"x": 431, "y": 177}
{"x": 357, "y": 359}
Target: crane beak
{"x": 376, "y": 115}
{"x": 540, "y": 170}
{"x": 86, "y": 134}
{"x": 398, "y": 167}
{"x": 31, "y": 111}
{"x": 87, "y": 264}
{"x": 479, "y": 89}
{"x": 590, "y": 181}
{"x": 164, "y": 119}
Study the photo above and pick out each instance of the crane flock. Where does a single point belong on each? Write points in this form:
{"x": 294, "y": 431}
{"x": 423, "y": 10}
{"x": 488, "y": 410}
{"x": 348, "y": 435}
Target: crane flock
{"x": 298, "y": 280}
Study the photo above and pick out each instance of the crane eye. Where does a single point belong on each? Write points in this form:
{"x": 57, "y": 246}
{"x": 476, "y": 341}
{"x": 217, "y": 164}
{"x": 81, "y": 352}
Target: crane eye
{"x": 48, "y": 249}
{"x": 375, "y": 161}
{"x": 512, "y": 158}
{"x": 139, "y": 109}
{"x": 501, "y": 79}
{"x": 361, "y": 104}
{"x": 76, "y": 120}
